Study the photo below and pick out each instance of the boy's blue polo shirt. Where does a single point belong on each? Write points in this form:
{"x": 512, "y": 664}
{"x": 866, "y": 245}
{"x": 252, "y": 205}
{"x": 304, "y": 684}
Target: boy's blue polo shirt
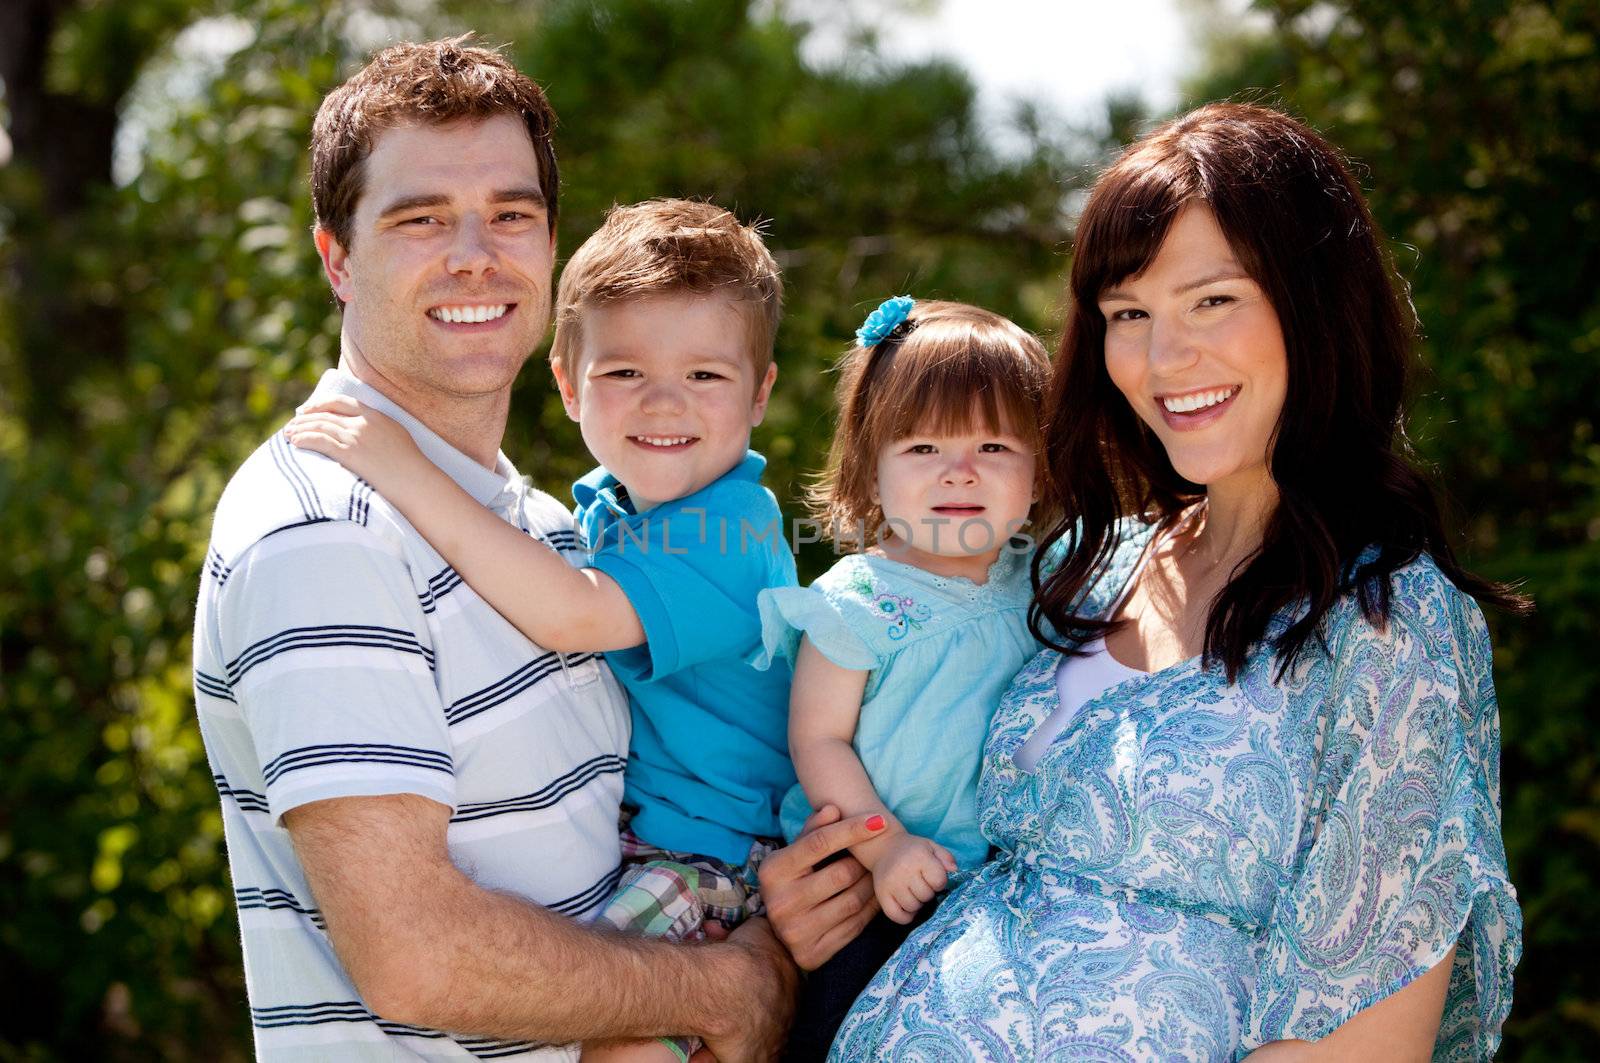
{"x": 709, "y": 762}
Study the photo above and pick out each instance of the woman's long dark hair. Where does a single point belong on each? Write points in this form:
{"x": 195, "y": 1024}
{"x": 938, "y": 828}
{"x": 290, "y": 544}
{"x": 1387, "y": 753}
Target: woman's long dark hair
{"x": 1298, "y": 223}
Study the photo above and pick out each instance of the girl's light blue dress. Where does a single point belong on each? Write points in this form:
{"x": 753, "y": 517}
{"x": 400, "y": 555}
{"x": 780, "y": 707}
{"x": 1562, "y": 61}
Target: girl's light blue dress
{"x": 940, "y": 652}
{"x": 1196, "y": 869}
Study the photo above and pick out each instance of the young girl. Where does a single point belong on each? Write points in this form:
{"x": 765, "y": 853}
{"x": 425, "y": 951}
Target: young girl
{"x": 902, "y": 650}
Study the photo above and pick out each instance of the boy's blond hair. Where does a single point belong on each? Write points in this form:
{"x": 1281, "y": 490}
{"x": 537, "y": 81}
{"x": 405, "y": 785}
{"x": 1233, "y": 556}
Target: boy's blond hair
{"x": 667, "y": 247}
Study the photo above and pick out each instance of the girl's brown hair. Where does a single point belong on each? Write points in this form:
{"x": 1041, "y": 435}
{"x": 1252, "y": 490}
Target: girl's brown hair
{"x": 1296, "y": 220}
{"x": 946, "y": 365}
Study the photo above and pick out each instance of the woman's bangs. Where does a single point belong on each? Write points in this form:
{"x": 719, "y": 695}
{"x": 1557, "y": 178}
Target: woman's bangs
{"x": 1125, "y": 222}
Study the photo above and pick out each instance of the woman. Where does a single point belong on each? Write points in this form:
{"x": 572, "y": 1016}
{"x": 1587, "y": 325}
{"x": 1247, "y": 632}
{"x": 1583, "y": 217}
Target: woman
{"x": 1254, "y": 809}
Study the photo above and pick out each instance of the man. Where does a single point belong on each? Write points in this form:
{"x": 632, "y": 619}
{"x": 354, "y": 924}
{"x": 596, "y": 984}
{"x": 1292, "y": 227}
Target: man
{"x": 420, "y": 804}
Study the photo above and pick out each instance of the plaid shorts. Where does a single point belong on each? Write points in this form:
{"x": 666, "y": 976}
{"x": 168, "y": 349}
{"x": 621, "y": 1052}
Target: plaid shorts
{"x": 670, "y": 895}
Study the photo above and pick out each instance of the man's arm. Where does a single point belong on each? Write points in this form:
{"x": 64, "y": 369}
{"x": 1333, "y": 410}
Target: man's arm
{"x": 427, "y": 946}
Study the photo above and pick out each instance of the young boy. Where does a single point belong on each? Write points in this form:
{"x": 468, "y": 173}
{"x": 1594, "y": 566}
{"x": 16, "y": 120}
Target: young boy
{"x": 665, "y": 320}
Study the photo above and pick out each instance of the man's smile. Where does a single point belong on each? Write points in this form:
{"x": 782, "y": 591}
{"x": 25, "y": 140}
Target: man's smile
{"x": 473, "y": 317}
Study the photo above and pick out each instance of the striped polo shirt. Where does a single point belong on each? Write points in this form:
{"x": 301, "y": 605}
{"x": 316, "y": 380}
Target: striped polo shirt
{"x": 336, "y": 654}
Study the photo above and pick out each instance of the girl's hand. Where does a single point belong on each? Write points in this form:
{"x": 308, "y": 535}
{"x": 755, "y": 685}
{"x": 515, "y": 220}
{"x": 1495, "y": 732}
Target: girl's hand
{"x": 358, "y": 437}
{"x": 908, "y": 873}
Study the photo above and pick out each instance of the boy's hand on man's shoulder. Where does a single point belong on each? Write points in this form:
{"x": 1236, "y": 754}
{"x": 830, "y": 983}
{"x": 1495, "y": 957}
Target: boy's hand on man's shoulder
{"x": 358, "y": 437}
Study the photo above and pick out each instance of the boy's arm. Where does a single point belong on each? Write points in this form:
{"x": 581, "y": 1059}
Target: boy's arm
{"x": 559, "y": 607}
{"x": 427, "y": 946}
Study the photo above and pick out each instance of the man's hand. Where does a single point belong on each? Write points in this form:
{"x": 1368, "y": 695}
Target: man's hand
{"x": 817, "y": 911}
{"x": 758, "y": 1025}
{"x": 908, "y": 874}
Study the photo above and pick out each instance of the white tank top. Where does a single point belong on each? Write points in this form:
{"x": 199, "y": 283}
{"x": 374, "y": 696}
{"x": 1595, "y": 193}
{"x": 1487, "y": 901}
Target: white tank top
{"x": 1079, "y": 680}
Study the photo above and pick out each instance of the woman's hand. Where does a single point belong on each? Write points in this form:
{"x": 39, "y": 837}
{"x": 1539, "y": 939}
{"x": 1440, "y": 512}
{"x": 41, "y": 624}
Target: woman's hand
{"x": 816, "y": 911}
{"x": 358, "y": 437}
{"x": 907, "y": 874}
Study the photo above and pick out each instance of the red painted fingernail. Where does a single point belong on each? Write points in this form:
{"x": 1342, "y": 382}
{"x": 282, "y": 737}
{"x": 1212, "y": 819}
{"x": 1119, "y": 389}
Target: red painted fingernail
{"x": 875, "y": 822}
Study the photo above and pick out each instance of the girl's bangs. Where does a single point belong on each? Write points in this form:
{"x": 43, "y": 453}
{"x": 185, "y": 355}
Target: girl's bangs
{"x": 953, "y": 393}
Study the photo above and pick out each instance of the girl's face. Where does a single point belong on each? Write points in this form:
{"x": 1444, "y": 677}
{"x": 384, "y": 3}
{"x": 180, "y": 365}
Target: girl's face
{"x": 951, "y": 501}
{"x": 1195, "y": 347}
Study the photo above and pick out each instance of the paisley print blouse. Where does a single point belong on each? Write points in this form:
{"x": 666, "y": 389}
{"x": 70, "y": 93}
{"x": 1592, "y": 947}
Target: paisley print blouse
{"x": 1197, "y": 868}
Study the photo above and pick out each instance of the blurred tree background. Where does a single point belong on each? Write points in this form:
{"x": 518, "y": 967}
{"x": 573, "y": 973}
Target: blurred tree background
{"x": 161, "y": 310}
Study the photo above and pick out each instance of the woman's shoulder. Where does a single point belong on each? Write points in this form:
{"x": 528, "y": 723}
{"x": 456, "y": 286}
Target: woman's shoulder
{"x": 1133, "y": 536}
{"x": 1419, "y": 599}
{"x": 1409, "y": 620}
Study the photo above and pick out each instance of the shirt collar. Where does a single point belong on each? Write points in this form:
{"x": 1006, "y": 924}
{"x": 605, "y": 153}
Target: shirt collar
{"x": 495, "y": 489}
{"x": 599, "y": 485}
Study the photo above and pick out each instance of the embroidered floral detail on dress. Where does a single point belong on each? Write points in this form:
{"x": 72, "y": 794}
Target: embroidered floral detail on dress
{"x": 905, "y": 615}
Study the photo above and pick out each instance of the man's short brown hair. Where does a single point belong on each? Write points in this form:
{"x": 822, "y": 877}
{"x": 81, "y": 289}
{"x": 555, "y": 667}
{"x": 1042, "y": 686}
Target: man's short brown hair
{"x": 668, "y": 247}
{"x": 432, "y": 83}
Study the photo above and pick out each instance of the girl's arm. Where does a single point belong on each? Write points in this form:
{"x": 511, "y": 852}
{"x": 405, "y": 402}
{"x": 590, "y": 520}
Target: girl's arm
{"x": 824, "y": 707}
{"x": 559, "y": 607}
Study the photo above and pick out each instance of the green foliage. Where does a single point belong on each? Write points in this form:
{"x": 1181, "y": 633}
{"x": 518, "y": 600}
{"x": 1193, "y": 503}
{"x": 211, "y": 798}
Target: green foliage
{"x": 1474, "y": 124}
{"x": 119, "y": 935}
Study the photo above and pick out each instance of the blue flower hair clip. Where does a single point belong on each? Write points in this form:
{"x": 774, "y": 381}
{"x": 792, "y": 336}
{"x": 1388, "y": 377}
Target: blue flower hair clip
{"x": 890, "y": 315}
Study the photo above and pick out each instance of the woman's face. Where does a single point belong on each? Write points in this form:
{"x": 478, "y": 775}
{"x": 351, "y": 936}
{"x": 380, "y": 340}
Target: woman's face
{"x": 1195, "y": 347}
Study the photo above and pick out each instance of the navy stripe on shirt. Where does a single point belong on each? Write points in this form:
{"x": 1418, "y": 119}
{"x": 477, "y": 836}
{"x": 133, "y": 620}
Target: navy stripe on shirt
{"x": 331, "y": 1011}
{"x": 212, "y": 686}
{"x": 484, "y": 1049}
{"x": 438, "y": 586}
{"x": 559, "y": 540}
{"x": 255, "y": 897}
{"x": 214, "y": 565}
{"x": 247, "y": 800}
{"x": 354, "y": 1011}
{"x": 283, "y": 457}
{"x": 587, "y": 898}
{"x": 507, "y": 687}
{"x": 360, "y": 502}
{"x": 324, "y": 635}
{"x": 355, "y": 753}
{"x": 546, "y": 796}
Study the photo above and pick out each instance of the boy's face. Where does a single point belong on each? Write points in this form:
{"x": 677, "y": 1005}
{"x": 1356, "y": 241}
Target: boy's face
{"x": 665, "y": 392}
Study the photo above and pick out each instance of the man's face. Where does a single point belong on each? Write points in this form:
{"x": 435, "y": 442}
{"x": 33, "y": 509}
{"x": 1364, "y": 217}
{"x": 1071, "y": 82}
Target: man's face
{"x": 447, "y": 283}
{"x": 665, "y": 392}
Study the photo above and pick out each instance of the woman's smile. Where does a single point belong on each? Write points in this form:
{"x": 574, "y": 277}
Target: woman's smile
{"x": 1193, "y": 410}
